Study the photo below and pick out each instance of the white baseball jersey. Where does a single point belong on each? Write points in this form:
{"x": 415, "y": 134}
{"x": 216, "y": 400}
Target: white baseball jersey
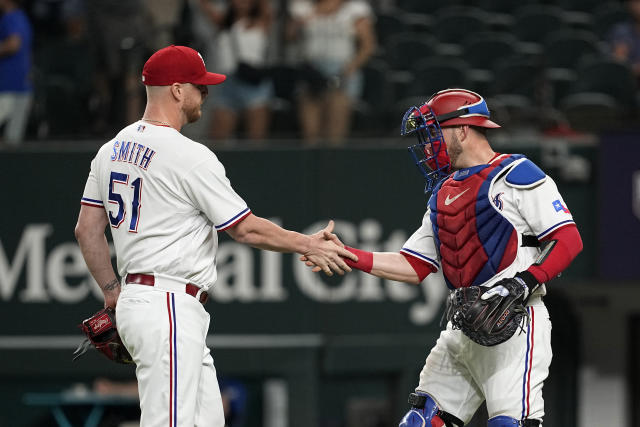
{"x": 165, "y": 196}
{"x": 532, "y": 206}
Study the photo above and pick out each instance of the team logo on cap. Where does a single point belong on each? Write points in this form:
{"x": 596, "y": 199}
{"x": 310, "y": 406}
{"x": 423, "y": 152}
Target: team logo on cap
{"x": 201, "y": 59}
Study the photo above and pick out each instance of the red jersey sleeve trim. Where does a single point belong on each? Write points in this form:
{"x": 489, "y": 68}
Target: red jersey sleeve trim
{"x": 421, "y": 267}
{"x": 233, "y": 221}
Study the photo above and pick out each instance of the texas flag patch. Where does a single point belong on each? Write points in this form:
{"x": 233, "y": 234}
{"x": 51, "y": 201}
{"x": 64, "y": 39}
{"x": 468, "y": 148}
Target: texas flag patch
{"x": 559, "y": 207}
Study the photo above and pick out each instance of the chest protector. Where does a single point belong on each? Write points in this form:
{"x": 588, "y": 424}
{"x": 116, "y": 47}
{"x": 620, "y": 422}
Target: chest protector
{"x": 474, "y": 239}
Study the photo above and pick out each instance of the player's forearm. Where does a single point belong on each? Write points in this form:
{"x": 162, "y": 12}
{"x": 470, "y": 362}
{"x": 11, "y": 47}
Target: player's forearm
{"x": 387, "y": 265}
{"x": 264, "y": 234}
{"x": 393, "y": 266}
{"x": 95, "y": 251}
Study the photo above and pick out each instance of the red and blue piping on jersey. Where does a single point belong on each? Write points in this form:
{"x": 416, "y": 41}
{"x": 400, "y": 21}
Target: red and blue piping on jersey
{"x": 528, "y": 365}
{"x": 233, "y": 221}
{"x": 91, "y": 202}
{"x": 420, "y": 257}
{"x": 173, "y": 361}
{"x": 474, "y": 240}
{"x": 555, "y": 227}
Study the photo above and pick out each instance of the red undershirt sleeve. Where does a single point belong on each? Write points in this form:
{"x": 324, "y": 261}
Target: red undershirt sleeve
{"x": 566, "y": 245}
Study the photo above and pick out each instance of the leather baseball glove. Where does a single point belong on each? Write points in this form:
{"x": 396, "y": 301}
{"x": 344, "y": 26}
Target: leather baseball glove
{"x": 489, "y": 316}
{"x": 101, "y": 332}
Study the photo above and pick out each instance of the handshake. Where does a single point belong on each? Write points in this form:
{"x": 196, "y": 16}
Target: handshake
{"x": 327, "y": 253}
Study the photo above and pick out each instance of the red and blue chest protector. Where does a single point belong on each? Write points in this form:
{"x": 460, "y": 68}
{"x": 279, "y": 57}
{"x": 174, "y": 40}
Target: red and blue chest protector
{"x": 475, "y": 240}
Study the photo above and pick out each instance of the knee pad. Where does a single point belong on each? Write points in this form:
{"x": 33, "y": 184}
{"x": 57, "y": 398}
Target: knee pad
{"x": 504, "y": 421}
{"x": 425, "y": 413}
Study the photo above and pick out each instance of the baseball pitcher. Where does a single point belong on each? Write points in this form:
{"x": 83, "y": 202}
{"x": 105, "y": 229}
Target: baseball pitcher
{"x": 165, "y": 198}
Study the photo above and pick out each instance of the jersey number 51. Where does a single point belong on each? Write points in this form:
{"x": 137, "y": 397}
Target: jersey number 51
{"x": 116, "y": 198}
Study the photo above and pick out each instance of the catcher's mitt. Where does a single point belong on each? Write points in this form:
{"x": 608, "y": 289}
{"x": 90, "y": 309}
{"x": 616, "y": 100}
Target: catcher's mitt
{"x": 489, "y": 316}
{"x": 101, "y": 332}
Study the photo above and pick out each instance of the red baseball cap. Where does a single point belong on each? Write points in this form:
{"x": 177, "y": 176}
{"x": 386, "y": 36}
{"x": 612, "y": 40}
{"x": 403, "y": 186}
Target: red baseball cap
{"x": 178, "y": 64}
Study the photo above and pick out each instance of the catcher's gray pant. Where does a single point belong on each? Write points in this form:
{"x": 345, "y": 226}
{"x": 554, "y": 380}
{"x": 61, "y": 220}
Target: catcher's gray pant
{"x": 165, "y": 332}
{"x": 460, "y": 374}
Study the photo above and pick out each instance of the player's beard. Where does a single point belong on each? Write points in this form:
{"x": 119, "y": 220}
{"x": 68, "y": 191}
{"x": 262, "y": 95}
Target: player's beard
{"x": 454, "y": 149}
{"x": 192, "y": 112}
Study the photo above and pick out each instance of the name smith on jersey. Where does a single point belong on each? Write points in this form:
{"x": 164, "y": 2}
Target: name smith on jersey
{"x": 130, "y": 152}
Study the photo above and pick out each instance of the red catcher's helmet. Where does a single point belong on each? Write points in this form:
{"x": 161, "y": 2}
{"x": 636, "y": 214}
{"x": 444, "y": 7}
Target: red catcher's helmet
{"x": 449, "y": 107}
{"x": 460, "y": 107}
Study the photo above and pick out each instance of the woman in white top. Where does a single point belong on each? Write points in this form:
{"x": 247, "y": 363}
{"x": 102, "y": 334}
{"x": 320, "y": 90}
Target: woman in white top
{"x": 242, "y": 38}
{"x": 337, "y": 38}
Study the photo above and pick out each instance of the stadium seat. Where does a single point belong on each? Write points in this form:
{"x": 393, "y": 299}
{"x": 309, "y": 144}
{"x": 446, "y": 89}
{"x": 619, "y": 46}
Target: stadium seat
{"x": 517, "y": 75}
{"x": 607, "y": 76}
{"x": 534, "y": 22}
{"x": 456, "y": 23}
{"x": 608, "y": 15}
{"x": 518, "y": 87}
{"x": 371, "y": 112}
{"x": 592, "y": 112}
{"x": 403, "y": 49}
{"x": 63, "y": 76}
{"x": 482, "y": 50}
{"x": 579, "y": 5}
{"x": 428, "y": 7}
{"x": 388, "y": 25}
{"x": 502, "y": 6}
{"x": 565, "y": 48}
{"x": 434, "y": 74}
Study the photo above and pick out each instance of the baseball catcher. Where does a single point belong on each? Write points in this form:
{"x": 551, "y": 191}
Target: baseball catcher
{"x": 101, "y": 332}
{"x": 498, "y": 229}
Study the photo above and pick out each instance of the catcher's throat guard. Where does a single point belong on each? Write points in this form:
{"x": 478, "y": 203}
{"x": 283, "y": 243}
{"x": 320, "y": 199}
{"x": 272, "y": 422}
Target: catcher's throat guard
{"x": 430, "y": 153}
{"x": 102, "y": 334}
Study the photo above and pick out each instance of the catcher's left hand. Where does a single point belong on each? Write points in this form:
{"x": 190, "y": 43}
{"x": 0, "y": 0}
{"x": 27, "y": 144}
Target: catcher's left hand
{"x": 101, "y": 332}
{"x": 489, "y": 316}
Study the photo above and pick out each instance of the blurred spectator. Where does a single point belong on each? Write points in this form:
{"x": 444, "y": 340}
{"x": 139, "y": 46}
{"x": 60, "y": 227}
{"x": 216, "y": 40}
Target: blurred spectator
{"x": 234, "y": 401}
{"x": 337, "y": 38}
{"x": 119, "y": 37}
{"x": 241, "y": 52}
{"x": 164, "y": 17}
{"x": 16, "y": 92}
{"x": 625, "y": 38}
{"x": 63, "y": 69}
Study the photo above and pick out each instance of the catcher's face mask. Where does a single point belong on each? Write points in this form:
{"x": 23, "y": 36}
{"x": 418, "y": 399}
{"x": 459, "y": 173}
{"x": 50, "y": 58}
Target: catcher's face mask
{"x": 430, "y": 153}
